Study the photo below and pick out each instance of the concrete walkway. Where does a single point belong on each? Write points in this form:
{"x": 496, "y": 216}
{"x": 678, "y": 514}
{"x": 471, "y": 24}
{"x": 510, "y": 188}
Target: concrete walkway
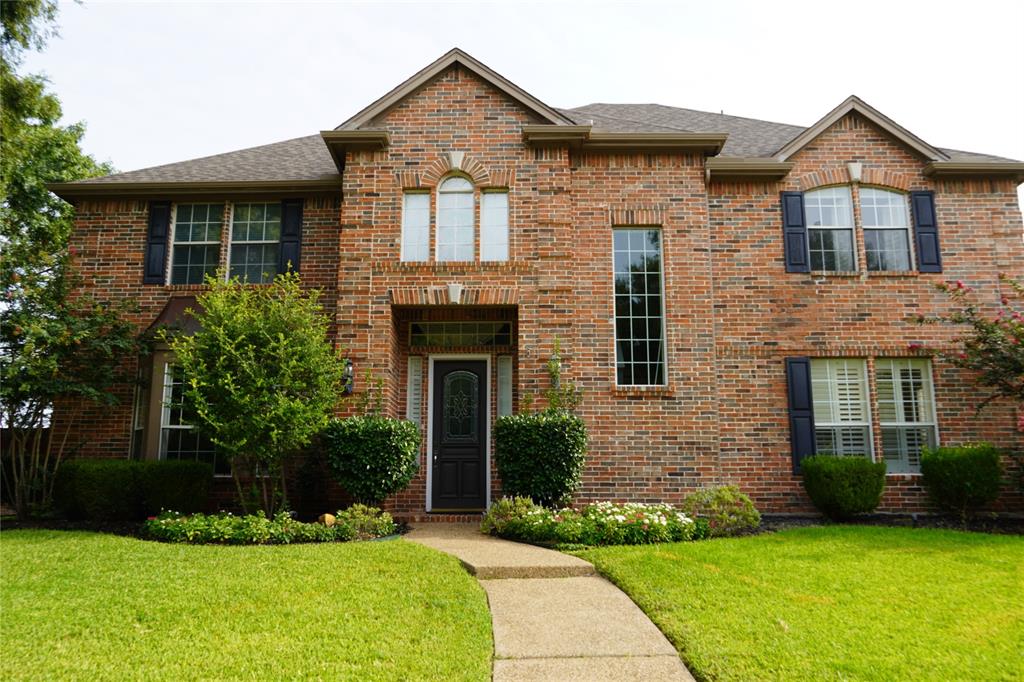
{"x": 553, "y": 617}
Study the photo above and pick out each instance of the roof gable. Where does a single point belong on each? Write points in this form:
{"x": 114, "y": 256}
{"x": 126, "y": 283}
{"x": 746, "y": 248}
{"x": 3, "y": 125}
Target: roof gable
{"x": 456, "y": 56}
{"x": 854, "y": 103}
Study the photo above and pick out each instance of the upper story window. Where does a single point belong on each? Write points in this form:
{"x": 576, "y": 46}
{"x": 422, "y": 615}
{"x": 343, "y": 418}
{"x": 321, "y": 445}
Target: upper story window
{"x": 639, "y": 310}
{"x": 829, "y": 214}
{"x": 886, "y": 221}
{"x": 196, "y": 242}
{"x": 255, "y": 242}
{"x": 456, "y": 220}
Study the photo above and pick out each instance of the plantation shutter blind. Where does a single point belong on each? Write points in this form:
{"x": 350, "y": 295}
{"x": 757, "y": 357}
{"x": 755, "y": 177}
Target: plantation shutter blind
{"x": 801, "y": 413}
{"x": 157, "y": 234}
{"x": 414, "y": 390}
{"x": 794, "y": 232}
{"x": 926, "y": 232}
{"x": 291, "y": 235}
{"x": 839, "y": 389}
{"x": 504, "y": 385}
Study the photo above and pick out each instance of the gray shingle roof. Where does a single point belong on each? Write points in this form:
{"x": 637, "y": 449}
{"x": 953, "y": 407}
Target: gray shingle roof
{"x": 308, "y": 159}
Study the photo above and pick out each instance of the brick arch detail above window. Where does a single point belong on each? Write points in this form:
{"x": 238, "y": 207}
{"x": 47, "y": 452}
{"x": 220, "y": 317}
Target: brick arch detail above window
{"x": 839, "y": 175}
{"x": 457, "y": 163}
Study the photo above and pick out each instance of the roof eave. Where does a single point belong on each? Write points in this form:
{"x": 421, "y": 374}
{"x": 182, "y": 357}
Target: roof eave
{"x": 745, "y": 169}
{"x": 72, "y": 191}
{"x": 341, "y": 141}
{"x": 1004, "y": 170}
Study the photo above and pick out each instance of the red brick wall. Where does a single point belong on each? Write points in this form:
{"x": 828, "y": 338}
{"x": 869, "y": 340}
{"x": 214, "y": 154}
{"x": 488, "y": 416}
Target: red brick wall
{"x": 733, "y": 313}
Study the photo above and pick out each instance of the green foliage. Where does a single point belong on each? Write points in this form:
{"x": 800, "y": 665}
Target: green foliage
{"x": 540, "y": 455}
{"x": 841, "y": 487}
{"x": 962, "y": 478}
{"x": 262, "y": 377}
{"x": 372, "y": 456}
{"x": 727, "y": 510}
{"x": 251, "y": 529}
{"x": 601, "y": 523}
{"x": 365, "y": 523}
{"x": 561, "y": 396}
{"x": 126, "y": 490}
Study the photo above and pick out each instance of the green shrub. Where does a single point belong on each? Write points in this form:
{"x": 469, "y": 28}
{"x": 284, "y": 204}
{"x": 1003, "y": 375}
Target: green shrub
{"x": 357, "y": 523}
{"x": 962, "y": 478}
{"x": 540, "y": 455}
{"x": 372, "y": 456}
{"x": 841, "y": 487}
{"x": 602, "y": 523}
{"x": 127, "y": 490}
{"x": 727, "y": 510}
{"x": 365, "y": 523}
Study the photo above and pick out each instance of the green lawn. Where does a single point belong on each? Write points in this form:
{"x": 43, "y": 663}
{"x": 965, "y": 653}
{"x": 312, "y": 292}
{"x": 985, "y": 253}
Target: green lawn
{"x": 89, "y": 606}
{"x": 835, "y": 603}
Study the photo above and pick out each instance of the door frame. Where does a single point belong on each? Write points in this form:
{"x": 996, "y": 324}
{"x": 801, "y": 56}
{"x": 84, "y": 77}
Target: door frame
{"x": 430, "y": 422}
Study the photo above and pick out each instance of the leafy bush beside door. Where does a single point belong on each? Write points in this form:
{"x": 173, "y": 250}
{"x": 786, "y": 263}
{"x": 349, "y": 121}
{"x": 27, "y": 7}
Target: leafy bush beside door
{"x": 540, "y": 455}
{"x": 372, "y": 456}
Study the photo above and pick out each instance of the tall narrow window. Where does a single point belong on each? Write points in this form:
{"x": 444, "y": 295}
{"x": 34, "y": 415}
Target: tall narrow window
{"x": 494, "y": 226}
{"x": 416, "y": 226}
{"x": 455, "y": 220}
{"x": 886, "y": 221}
{"x": 639, "y": 314}
{"x": 196, "y": 250}
{"x": 830, "y": 229}
{"x": 906, "y": 412}
{"x": 255, "y": 241}
{"x": 842, "y": 425}
{"x": 178, "y": 438}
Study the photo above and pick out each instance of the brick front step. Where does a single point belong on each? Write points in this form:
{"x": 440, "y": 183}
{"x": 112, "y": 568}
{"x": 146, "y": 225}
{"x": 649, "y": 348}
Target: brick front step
{"x": 439, "y": 518}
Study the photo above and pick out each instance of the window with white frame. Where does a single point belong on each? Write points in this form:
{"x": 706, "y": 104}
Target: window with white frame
{"x": 885, "y": 218}
{"x": 639, "y": 310}
{"x": 416, "y": 226}
{"x": 255, "y": 242}
{"x": 455, "y": 218}
{"x": 196, "y": 242}
{"x": 178, "y": 438}
{"x": 906, "y": 411}
{"x": 830, "y": 237}
{"x": 494, "y": 226}
{"x": 842, "y": 421}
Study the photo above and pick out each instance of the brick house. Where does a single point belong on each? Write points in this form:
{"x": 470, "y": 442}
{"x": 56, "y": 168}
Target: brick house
{"x": 731, "y": 294}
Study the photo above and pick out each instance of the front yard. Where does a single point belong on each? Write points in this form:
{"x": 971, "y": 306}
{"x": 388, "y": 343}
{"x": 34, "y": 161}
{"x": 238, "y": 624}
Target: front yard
{"x": 834, "y": 603}
{"x": 89, "y": 606}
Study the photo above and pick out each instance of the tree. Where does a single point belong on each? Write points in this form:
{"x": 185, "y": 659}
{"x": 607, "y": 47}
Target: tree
{"x": 56, "y": 346}
{"x": 261, "y": 377}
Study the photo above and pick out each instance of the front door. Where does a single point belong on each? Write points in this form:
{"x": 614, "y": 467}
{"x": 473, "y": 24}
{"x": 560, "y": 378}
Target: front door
{"x": 460, "y": 436}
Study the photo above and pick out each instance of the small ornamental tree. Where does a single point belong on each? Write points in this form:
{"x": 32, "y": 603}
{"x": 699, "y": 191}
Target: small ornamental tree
{"x": 262, "y": 378}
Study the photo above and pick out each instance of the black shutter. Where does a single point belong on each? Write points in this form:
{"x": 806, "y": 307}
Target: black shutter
{"x": 291, "y": 234}
{"x": 926, "y": 232}
{"x": 801, "y": 409}
{"x": 156, "y": 242}
{"x": 794, "y": 232}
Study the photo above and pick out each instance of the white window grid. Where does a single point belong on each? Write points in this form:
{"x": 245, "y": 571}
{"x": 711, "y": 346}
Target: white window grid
{"x": 887, "y": 213}
{"x": 658, "y": 366}
{"x": 494, "y": 226}
{"x": 212, "y": 215}
{"x": 830, "y": 210}
{"x": 415, "y": 245}
{"x": 269, "y": 232}
{"x": 842, "y": 410}
{"x": 906, "y": 404}
{"x": 455, "y": 220}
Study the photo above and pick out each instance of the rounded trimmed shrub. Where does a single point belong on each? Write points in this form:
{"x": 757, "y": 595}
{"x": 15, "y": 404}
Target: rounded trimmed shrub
{"x": 372, "y": 456}
{"x": 540, "y": 455}
{"x": 842, "y": 487}
{"x": 962, "y": 478}
{"x": 725, "y": 508}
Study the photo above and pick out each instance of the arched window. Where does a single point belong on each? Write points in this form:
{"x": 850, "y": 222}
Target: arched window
{"x": 886, "y": 221}
{"x": 455, "y": 219}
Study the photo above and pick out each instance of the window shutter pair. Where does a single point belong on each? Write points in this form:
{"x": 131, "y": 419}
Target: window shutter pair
{"x": 158, "y": 239}
{"x": 926, "y": 232}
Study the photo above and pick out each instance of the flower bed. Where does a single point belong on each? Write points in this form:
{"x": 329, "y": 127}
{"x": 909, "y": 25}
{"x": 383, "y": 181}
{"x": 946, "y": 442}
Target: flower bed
{"x": 356, "y": 523}
{"x": 601, "y": 523}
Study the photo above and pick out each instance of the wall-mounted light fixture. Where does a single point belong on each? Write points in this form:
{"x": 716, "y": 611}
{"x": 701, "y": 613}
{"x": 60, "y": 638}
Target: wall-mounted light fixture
{"x": 348, "y": 378}
{"x": 455, "y": 293}
{"x": 855, "y": 168}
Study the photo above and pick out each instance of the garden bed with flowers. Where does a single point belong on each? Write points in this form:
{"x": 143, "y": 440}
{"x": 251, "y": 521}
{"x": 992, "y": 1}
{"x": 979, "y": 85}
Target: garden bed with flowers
{"x": 601, "y": 523}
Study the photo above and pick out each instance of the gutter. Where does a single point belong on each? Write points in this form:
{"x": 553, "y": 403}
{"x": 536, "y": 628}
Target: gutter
{"x": 71, "y": 191}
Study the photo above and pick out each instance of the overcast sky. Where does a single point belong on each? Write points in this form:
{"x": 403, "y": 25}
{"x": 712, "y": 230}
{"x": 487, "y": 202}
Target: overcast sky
{"x": 158, "y": 82}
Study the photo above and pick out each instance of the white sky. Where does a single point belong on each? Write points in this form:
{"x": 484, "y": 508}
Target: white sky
{"x": 158, "y": 82}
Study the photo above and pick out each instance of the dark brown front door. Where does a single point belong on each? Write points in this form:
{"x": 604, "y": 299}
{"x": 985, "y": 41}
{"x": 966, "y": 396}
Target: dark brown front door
{"x": 459, "y": 435}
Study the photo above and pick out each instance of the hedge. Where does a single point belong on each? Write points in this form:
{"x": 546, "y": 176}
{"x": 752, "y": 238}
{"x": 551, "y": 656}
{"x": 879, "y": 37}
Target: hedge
{"x": 842, "y": 487}
{"x": 540, "y": 455}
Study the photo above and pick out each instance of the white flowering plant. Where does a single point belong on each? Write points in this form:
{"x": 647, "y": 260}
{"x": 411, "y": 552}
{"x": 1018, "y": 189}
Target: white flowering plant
{"x": 600, "y": 523}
